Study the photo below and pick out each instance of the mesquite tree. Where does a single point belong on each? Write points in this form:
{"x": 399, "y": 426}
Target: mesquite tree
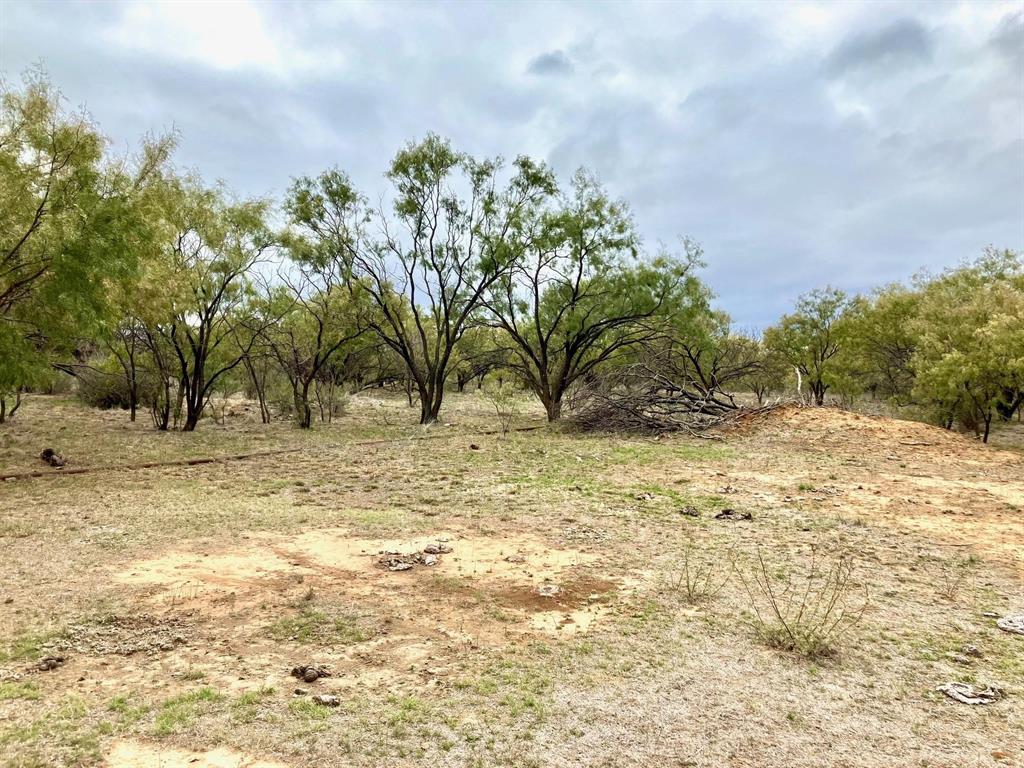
{"x": 810, "y": 338}
{"x": 580, "y": 295}
{"x": 455, "y": 229}
{"x": 214, "y": 246}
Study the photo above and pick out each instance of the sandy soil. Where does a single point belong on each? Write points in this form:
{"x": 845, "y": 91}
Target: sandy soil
{"x": 555, "y": 632}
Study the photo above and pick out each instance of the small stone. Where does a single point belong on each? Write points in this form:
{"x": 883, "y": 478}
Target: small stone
{"x": 310, "y": 675}
{"x": 548, "y": 590}
{"x": 515, "y": 559}
{"x": 971, "y": 650}
{"x": 327, "y": 700}
{"x": 430, "y": 560}
{"x": 474, "y": 447}
{"x": 690, "y": 511}
{"x": 50, "y": 662}
{"x": 400, "y": 566}
{"x": 300, "y": 692}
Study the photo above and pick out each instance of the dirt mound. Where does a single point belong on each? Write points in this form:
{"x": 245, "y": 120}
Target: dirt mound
{"x": 838, "y": 427}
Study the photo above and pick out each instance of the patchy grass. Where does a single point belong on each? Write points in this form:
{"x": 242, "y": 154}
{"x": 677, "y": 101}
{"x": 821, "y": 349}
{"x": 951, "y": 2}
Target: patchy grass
{"x": 180, "y": 712}
{"x": 316, "y": 626}
{"x": 28, "y": 691}
{"x": 267, "y": 564}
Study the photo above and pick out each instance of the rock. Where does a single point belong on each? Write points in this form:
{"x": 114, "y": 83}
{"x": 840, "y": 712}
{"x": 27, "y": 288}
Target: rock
{"x": 400, "y": 566}
{"x": 515, "y": 559}
{"x": 52, "y": 458}
{"x": 310, "y": 673}
{"x": 327, "y": 700}
{"x": 430, "y": 560}
{"x": 1013, "y": 623}
{"x": 548, "y": 590}
{"x": 971, "y": 650}
{"x": 437, "y": 549}
{"x": 959, "y": 658}
{"x": 644, "y": 496}
{"x": 732, "y": 514}
{"x": 300, "y": 691}
{"x": 50, "y": 662}
{"x": 474, "y": 447}
{"x": 966, "y": 693}
{"x": 690, "y": 511}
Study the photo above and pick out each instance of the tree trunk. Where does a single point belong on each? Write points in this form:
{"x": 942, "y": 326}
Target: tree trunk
{"x": 303, "y": 413}
{"x": 553, "y": 407}
{"x": 988, "y": 426}
{"x": 133, "y": 398}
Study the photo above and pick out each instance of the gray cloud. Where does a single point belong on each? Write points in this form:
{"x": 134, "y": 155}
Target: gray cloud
{"x": 550, "y": 63}
{"x": 781, "y": 147}
{"x": 902, "y": 42}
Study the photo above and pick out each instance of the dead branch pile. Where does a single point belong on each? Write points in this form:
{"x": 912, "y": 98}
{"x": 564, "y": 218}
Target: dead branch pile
{"x": 655, "y": 396}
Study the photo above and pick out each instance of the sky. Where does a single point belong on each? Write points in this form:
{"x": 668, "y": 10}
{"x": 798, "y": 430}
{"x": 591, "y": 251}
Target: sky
{"x": 801, "y": 143}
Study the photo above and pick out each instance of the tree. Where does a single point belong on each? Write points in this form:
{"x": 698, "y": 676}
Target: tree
{"x": 214, "y": 246}
{"x": 970, "y": 355}
{"x": 579, "y": 295}
{"x": 430, "y": 266}
{"x": 71, "y": 226}
{"x": 768, "y": 375}
{"x": 810, "y": 338}
{"x": 880, "y": 341}
{"x": 480, "y": 351}
{"x": 317, "y": 321}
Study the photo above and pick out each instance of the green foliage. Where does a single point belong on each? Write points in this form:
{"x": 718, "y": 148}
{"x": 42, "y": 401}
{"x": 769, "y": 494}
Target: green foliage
{"x": 72, "y": 226}
{"x": 579, "y": 295}
{"x": 970, "y": 350}
{"x": 810, "y": 338}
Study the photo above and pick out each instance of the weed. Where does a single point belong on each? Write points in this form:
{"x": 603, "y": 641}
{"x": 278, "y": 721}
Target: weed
{"x": 312, "y": 625}
{"x": 700, "y": 576}
{"x": 805, "y": 615}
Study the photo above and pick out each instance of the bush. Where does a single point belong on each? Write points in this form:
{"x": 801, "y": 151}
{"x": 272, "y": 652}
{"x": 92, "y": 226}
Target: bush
{"x": 103, "y": 389}
{"x": 806, "y": 615}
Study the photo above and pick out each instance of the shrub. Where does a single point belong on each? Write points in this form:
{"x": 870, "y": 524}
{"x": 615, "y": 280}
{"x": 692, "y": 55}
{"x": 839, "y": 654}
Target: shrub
{"x": 808, "y": 614}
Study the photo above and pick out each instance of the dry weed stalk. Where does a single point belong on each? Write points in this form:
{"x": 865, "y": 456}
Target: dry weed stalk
{"x": 699, "y": 578}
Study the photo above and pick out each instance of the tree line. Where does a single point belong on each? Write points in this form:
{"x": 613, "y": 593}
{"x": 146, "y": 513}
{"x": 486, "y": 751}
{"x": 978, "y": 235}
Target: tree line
{"x": 157, "y": 291}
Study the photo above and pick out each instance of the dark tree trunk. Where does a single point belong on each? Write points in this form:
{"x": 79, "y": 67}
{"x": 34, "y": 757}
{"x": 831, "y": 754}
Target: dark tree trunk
{"x": 303, "y": 413}
{"x": 553, "y": 408}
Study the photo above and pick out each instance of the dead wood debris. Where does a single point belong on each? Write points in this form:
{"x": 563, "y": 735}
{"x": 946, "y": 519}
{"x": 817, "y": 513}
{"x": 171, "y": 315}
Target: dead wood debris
{"x": 966, "y": 693}
{"x": 1013, "y": 623}
{"x": 395, "y": 560}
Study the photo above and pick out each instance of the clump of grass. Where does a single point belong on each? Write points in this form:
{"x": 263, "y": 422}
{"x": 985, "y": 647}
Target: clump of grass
{"x": 308, "y": 709}
{"x": 27, "y": 646}
{"x": 14, "y": 690}
{"x": 178, "y": 712}
{"x": 245, "y": 707}
{"x": 807, "y": 614}
{"x": 312, "y": 625}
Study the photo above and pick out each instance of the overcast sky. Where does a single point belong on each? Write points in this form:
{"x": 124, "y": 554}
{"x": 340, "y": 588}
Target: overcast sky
{"x": 801, "y": 143}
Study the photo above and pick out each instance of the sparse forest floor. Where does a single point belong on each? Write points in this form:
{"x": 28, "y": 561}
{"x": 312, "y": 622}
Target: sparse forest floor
{"x": 556, "y": 632}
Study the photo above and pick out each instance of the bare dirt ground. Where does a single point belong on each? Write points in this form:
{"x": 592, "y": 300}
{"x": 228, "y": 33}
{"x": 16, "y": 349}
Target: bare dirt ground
{"x": 543, "y": 619}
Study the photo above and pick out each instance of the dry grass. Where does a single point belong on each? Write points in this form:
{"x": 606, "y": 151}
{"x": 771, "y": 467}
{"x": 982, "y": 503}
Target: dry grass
{"x": 181, "y": 597}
